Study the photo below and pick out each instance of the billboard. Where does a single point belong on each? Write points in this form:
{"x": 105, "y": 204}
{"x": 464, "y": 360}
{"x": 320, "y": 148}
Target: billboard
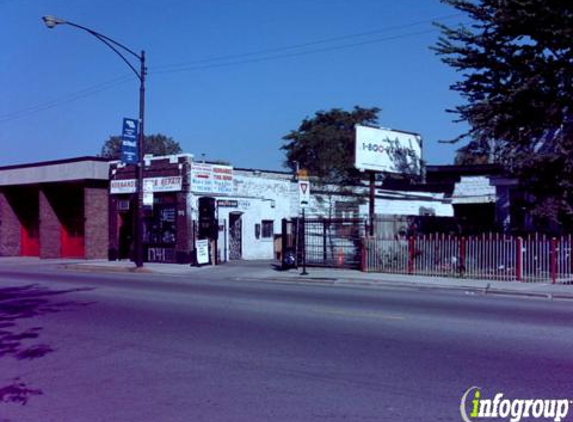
{"x": 387, "y": 150}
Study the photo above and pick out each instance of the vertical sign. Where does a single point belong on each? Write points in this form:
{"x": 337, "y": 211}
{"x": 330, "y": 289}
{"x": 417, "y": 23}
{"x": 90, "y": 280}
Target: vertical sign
{"x": 148, "y": 192}
{"x": 304, "y": 193}
{"x": 129, "y": 141}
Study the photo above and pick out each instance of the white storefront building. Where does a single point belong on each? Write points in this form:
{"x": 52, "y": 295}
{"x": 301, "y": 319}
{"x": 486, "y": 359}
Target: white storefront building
{"x": 251, "y": 204}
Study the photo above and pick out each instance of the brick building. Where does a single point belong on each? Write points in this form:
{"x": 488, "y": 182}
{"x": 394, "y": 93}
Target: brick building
{"x": 168, "y": 234}
{"x": 55, "y": 209}
{"x": 85, "y": 208}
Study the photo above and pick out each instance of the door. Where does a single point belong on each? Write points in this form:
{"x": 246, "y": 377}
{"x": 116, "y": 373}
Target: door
{"x": 235, "y": 238}
{"x": 72, "y": 239}
{"x": 125, "y": 234}
{"x": 29, "y": 240}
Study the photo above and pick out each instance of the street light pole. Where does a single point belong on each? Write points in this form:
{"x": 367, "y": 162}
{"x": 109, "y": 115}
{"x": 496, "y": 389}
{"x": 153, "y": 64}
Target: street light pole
{"x": 117, "y": 48}
{"x": 140, "y": 155}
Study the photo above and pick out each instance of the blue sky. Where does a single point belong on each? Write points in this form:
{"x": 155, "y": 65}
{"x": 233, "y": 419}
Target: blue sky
{"x": 60, "y": 94}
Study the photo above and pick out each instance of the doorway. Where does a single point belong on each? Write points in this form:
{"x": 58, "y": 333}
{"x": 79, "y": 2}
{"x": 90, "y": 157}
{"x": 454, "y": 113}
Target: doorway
{"x": 125, "y": 235}
{"x": 235, "y": 236}
{"x": 29, "y": 239}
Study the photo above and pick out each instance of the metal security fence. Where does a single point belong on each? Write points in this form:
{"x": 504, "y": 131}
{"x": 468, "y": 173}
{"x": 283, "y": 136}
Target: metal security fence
{"x": 535, "y": 258}
{"x": 332, "y": 242}
{"x": 327, "y": 242}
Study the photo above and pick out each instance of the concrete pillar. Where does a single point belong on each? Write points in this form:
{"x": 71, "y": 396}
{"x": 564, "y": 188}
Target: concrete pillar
{"x": 50, "y": 229}
{"x": 96, "y": 230}
{"x": 9, "y": 228}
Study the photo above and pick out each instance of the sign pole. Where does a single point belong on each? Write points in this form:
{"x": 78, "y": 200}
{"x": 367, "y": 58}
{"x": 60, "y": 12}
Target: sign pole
{"x": 140, "y": 163}
{"x": 303, "y": 243}
{"x": 372, "y": 201}
{"x": 304, "y": 201}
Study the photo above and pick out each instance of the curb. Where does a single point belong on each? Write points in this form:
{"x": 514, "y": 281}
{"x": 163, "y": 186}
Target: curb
{"x": 348, "y": 282}
{"x": 97, "y": 268}
{"x": 486, "y": 290}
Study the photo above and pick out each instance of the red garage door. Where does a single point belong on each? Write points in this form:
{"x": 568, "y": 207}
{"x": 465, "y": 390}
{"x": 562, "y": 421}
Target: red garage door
{"x": 29, "y": 241}
{"x": 72, "y": 239}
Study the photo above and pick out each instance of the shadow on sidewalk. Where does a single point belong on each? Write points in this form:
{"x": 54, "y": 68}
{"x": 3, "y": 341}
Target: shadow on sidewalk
{"x": 22, "y": 303}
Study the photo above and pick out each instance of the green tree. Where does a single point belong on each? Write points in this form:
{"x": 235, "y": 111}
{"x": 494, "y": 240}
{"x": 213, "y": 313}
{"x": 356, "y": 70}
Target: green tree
{"x": 156, "y": 144}
{"x": 324, "y": 144}
{"x": 477, "y": 152}
{"x": 516, "y": 64}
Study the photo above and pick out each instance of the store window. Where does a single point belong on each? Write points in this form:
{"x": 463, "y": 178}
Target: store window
{"x": 161, "y": 229}
{"x": 268, "y": 229}
{"x": 161, "y": 225}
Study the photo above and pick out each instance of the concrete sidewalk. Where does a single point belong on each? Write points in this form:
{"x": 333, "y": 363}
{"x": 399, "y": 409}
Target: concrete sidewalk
{"x": 355, "y": 277}
{"x": 269, "y": 271}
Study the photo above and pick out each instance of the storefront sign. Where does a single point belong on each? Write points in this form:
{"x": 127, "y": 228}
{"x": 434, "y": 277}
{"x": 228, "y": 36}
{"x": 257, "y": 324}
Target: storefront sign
{"x": 151, "y": 184}
{"x": 202, "y": 248}
{"x": 211, "y": 178}
{"x": 227, "y": 203}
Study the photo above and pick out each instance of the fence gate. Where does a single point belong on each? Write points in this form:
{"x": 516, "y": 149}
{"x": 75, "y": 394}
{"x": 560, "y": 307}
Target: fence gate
{"x": 329, "y": 242}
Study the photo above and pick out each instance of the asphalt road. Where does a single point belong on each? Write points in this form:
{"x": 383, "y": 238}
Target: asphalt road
{"x": 128, "y": 348}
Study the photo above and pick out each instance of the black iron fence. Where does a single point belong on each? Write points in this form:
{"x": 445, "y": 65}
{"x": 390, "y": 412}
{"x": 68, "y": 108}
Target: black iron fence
{"x": 327, "y": 242}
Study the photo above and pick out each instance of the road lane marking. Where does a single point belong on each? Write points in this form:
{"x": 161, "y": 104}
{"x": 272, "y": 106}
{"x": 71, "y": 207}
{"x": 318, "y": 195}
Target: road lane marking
{"x": 358, "y": 314}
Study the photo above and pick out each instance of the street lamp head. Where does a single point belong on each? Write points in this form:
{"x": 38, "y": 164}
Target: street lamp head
{"x": 52, "y": 21}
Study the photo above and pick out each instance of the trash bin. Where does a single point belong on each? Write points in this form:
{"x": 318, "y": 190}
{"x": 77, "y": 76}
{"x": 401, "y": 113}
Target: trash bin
{"x": 289, "y": 258}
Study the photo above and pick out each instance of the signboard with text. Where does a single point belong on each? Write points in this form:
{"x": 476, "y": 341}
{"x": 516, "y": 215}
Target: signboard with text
{"x": 202, "y": 248}
{"x": 227, "y": 203}
{"x": 129, "y": 135}
{"x": 148, "y": 192}
{"x": 211, "y": 178}
{"x": 150, "y": 184}
{"x": 386, "y": 150}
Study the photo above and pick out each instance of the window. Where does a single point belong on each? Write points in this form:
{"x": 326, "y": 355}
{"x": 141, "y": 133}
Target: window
{"x": 268, "y": 229}
{"x": 160, "y": 225}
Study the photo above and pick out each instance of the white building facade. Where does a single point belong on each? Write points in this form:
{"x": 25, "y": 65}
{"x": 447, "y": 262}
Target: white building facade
{"x": 251, "y": 204}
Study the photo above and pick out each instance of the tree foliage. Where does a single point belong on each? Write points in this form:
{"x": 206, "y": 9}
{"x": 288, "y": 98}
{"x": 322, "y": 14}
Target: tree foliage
{"x": 478, "y": 151}
{"x": 324, "y": 144}
{"x": 516, "y": 66}
{"x": 156, "y": 144}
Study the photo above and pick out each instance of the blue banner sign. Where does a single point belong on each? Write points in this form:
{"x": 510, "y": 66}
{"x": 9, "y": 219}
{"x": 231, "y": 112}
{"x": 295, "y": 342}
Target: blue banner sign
{"x": 129, "y": 141}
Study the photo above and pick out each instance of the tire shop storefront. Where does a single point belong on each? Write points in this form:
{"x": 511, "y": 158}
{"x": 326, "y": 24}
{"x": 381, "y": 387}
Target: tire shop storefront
{"x": 244, "y": 208}
{"x": 168, "y": 229}
{"x": 55, "y": 209}
{"x": 238, "y": 212}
